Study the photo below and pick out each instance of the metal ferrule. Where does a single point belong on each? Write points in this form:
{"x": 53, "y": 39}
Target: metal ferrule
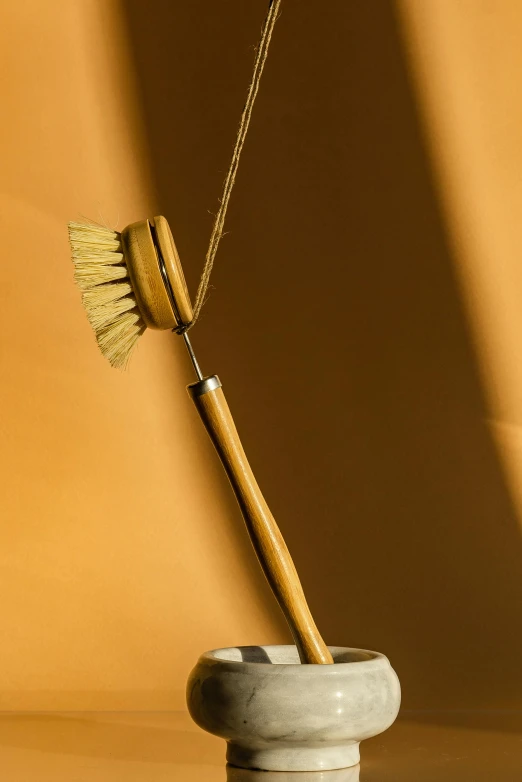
{"x": 204, "y": 386}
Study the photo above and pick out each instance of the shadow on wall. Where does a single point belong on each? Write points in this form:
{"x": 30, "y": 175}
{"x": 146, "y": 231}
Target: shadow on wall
{"x": 338, "y": 330}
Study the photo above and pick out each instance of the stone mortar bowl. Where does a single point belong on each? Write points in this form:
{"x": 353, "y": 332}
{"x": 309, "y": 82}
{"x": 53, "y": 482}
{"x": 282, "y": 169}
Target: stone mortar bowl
{"x": 279, "y": 715}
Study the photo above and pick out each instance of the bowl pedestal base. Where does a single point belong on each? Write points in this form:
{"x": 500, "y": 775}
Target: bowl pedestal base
{"x": 285, "y": 758}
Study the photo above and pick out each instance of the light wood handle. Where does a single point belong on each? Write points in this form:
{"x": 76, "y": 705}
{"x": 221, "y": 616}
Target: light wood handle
{"x": 264, "y": 533}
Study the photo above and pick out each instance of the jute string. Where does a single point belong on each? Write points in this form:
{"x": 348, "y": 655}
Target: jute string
{"x": 219, "y": 221}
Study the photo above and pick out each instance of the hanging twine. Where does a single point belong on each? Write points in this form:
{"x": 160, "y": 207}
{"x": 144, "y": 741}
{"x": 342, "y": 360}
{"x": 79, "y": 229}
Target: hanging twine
{"x": 219, "y": 221}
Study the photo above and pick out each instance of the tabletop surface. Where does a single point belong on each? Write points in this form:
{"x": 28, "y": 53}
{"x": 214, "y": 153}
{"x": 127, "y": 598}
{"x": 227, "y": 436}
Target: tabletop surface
{"x": 154, "y": 747}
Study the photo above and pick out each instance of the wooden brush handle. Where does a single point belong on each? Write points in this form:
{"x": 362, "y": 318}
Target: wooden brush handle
{"x": 264, "y": 533}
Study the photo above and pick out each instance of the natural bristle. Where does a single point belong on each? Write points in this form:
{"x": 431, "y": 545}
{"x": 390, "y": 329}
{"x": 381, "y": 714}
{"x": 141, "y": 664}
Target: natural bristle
{"x": 100, "y": 272}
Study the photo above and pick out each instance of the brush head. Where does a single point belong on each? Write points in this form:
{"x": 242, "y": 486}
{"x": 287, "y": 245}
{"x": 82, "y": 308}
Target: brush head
{"x": 129, "y": 281}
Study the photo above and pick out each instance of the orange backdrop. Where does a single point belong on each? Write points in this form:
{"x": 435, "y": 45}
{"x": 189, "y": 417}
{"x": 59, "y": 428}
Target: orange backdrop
{"x": 364, "y": 322}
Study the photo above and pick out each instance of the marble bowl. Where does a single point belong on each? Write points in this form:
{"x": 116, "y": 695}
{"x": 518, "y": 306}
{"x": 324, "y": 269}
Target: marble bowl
{"x": 279, "y": 715}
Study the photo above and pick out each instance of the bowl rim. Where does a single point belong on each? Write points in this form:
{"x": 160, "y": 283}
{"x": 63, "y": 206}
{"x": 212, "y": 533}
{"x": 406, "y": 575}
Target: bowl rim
{"x": 374, "y": 660}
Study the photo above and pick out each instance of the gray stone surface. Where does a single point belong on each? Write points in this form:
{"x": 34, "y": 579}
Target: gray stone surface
{"x": 247, "y": 775}
{"x": 279, "y": 715}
